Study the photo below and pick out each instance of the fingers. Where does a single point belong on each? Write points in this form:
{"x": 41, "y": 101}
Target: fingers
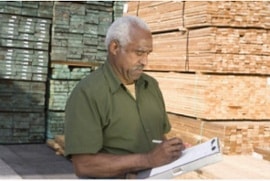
{"x": 175, "y": 140}
{"x": 174, "y": 147}
{"x": 176, "y": 144}
{"x": 166, "y": 152}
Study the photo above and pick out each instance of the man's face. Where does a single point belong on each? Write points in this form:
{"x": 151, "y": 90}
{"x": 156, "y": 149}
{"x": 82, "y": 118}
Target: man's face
{"x": 132, "y": 58}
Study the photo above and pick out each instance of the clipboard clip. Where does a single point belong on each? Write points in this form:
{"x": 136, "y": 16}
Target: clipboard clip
{"x": 177, "y": 171}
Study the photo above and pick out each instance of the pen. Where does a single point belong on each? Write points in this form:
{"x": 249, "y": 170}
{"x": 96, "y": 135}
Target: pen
{"x": 157, "y": 141}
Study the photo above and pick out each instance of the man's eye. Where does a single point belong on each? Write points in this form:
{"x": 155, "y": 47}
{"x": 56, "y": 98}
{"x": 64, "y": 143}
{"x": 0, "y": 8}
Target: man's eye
{"x": 140, "y": 53}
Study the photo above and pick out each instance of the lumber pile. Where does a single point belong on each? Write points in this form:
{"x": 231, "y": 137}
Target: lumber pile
{"x": 79, "y": 30}
{"x": 159, "y": 15}
{"x": 46, "y": 46}
{"x": 63, "y": 79}
{"x": 27, "y": 8}
{"x": 211, "y": 59}
{"x": 215, "y": 96}
{"x": 78, "y": 48}
{"x": 226, "y": 37}
{"x": 212, "y": 50}
{"x": 24, "y": 59}
{"x": 227, "y": 13}
{"x": 24, "y": 45}
{"x": 192, "y": 14}
{"x": 169, "y": 52}
{"x": 237, "y": 137}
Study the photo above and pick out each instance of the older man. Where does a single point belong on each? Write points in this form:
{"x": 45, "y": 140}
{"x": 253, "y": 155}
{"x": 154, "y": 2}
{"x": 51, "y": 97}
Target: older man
{"x": 115, "y": 113}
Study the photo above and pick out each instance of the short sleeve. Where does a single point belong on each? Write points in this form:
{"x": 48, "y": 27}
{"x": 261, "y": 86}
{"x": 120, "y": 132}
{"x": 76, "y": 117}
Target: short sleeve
{"x": 83, "y": 130}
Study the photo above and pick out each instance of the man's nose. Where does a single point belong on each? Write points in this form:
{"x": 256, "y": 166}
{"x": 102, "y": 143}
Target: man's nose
{"x": 144, "y": 60}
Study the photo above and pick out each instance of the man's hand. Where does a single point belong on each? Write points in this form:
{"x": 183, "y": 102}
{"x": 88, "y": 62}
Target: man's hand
{"x": 103, "y": 165}
{"x": 166, "y": 152}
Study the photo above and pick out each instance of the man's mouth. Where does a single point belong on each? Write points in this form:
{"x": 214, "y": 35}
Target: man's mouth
{"x": 139, "y": 68}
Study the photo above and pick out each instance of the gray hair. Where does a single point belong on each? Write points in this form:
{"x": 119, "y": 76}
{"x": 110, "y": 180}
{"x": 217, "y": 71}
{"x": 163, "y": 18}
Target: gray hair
{"x": 120, "y": 29}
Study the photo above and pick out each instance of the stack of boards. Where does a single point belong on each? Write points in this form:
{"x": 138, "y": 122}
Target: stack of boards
{"x": 212, "y": 62}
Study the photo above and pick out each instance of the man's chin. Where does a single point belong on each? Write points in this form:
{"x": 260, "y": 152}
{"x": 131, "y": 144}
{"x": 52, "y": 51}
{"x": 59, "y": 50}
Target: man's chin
{"x": 137, "y": 76}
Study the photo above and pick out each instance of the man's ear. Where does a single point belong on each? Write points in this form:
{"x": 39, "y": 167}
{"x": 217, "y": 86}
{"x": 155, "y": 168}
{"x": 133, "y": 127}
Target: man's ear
{"x": 114, "y": 47}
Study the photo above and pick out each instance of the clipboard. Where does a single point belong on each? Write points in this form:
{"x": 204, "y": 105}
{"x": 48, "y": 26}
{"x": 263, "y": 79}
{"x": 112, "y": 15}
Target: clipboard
{"x": 192, "y": 158}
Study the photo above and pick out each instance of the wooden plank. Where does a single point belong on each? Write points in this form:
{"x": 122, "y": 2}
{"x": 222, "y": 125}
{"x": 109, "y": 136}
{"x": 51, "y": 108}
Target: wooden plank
{"x": 227, "y": 13}
{"x": 226, "y": 45}
{"x": 215, "y": 97}
{"x": 169, "y": 52}
{"x": 77, "y": 64}
{"x": 194, "y": 14}
{"x": 219, "y": 50}
{"x": 159, "y": 15}
{"x": 236, "y": 137}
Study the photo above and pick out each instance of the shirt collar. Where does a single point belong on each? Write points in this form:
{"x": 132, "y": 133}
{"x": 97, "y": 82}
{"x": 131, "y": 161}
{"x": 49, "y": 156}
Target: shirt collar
{"x": 114, "y": 82}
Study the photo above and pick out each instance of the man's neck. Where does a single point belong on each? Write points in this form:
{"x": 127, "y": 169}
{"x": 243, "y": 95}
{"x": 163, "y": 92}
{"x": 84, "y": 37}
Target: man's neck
{"x": 131, "y": 89}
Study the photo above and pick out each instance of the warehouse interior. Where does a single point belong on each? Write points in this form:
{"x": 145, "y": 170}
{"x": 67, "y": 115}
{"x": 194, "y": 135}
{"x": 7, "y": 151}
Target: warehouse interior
{"x": 211, "y": 59}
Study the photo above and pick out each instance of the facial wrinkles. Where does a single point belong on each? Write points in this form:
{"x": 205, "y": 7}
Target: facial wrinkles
{"x": 135, "y": 55}
{"x": 140, "y": 52}
{"x": 123, "y": 71}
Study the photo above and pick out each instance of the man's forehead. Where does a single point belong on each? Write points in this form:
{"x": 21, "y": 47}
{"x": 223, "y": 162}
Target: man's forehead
{"x": 141, "y": 45}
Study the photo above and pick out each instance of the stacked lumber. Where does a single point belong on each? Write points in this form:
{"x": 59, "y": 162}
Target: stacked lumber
{"x": 236, "y": 137}
{"x": 64, "y": 71}
{"x": 78, "y": 34}
{"x": 216, "y": 97}
{"x": 227, "y": 13}
{"x": 169, "y": 52}
{"x": 27, "y": 8}
{"x": 212, "y": 65}
{"x": 24, "y": 59}
{"x": 63, "y": 79}
{"x": 22, "y": 127}
{"x": 229, "y": 50}
{"x": 22, "y": 96}
{"x": 222, "y": 37}
{"x": 79, "y": 30}
{"x": 192, "y": 14}
{"x": 55, "y": 123}
{"x": 59, "y": 93}
{"x": 212, "y": 49}
{"x": 24, "y": 47}
{"x": 169, "y": 14}
{"x": 71, "y": 34}
{"x": 118, "y": 8}
{"x": 62, "y": 82}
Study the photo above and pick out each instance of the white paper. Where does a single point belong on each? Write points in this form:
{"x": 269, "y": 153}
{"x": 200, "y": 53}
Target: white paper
{"x": 190, "y": 155}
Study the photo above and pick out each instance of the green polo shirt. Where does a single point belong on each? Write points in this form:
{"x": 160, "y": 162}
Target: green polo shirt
{"x": 102, "y": 116}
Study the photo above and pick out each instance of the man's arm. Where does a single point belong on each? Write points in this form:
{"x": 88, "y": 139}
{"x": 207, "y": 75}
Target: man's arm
{"x": 110, "y": 165}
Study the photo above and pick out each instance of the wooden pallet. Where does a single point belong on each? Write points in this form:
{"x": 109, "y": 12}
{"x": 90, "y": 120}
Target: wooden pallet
{"x": 237, "y": 137}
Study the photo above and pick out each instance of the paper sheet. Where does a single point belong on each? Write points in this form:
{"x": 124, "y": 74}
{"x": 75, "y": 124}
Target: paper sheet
{"x": 191, "y": 154}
